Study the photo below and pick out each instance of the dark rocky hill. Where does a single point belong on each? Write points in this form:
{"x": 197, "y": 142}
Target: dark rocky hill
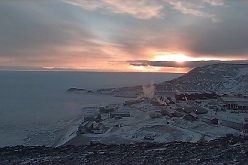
{"x": 225, "y": 150}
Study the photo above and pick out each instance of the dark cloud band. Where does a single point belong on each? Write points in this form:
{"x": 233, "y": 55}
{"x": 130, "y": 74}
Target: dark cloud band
{"x": 185, "y": 64}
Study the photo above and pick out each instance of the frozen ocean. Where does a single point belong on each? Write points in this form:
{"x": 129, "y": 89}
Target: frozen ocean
{"x": 35, "y": 108}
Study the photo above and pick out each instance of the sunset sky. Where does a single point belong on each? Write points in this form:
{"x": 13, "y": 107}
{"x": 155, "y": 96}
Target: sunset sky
{"x": 122, "y": 35}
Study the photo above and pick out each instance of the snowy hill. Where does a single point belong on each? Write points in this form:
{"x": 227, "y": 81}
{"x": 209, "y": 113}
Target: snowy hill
{"x": 219, "y": 78}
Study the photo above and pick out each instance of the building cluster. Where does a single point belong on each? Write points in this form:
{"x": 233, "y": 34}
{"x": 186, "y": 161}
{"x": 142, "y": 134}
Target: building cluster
{"x": 189, "y": 107}
{"x": 195, "y": 96}
{"x": 190, "y": 110}
{"x": 91, "y": 127}
{"x": 92, "y": 124}
{"x": 221, "y": 103}
{"x": 234, "y": 103}
{"x": 172, "y": 109}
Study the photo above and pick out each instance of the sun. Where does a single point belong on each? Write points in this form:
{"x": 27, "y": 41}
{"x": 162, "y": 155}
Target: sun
{"x": 174, "y": 57}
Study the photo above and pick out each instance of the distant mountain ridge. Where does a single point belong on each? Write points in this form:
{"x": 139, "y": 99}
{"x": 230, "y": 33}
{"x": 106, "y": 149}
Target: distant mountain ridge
{"x": 221, "y": 78}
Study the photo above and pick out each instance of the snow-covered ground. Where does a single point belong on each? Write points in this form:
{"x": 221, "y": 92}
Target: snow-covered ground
{"x": 163, "y": 129}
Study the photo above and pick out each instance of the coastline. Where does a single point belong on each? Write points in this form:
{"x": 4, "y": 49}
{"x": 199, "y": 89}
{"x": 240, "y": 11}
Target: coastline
{"x": 67, "y": 133}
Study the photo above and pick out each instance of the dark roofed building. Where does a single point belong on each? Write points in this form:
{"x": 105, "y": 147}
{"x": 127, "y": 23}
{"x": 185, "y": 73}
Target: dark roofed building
{"x": 171, "y": 113}
{"x": 234, "y": 102}
{"x": 195, "y": 109}
{"x": 214, "y": 121}
{"x": 121, "y": 114}
{"x": 86, "y": 127}
{"x": 99, "y": 128}
{"x": 190, "y": 117}
{"x": 195, "y": 96}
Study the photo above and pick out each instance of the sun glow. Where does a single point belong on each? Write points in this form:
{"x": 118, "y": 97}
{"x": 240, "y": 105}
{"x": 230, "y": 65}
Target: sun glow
{"x": 174, "y": 57}
{"x": 180, "y": 58}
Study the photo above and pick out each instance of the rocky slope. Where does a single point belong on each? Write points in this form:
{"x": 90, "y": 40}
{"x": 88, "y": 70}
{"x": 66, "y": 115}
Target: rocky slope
{"x": 219, "y": 78}
{"x": 225, "y": 150}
